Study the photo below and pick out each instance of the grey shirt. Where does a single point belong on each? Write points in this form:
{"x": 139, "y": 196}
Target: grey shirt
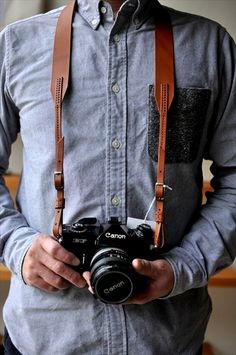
{"x": 110, "y": 124}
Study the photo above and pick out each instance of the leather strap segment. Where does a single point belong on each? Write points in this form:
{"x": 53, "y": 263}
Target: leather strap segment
{"x": 58, "y": 174}
{"x": 164, "y": 94}
{"x": 59, "y": 85}
{"x": 62, "y": 49}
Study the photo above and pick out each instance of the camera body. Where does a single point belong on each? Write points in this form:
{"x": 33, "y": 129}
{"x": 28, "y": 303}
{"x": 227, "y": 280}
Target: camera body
{"x": 107, "y": 251}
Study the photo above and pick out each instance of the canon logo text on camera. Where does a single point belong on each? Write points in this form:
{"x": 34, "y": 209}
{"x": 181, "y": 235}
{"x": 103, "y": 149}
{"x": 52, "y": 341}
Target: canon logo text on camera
{"x": 115, "y": 236}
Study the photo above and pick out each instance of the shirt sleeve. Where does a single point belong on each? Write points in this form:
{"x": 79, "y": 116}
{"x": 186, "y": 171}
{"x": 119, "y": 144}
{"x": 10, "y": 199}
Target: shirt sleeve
{"x": 210, "y": 245}
{"x": 15, "y": 234}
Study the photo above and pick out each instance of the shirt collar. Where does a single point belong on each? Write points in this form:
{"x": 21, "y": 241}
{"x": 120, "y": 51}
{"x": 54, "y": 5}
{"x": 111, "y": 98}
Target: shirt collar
{"x": 136, "y": 10}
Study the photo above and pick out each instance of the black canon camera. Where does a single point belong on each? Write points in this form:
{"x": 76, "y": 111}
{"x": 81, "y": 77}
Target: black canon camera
{"x": 107, "y": 251}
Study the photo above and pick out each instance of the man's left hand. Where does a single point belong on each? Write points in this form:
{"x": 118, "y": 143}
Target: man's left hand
{"x": 160, "y": 280}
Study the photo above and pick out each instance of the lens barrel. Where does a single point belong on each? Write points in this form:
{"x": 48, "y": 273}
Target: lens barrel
{"x": 112, "y": 275}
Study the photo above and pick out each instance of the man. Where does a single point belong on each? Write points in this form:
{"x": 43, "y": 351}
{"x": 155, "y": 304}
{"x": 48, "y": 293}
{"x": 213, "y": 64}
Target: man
{"x": 110, "y": 122}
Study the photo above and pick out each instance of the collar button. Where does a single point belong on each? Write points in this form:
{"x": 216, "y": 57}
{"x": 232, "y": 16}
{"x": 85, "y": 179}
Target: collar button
{"x": 94, "y": 22}
{"x": 103, "y": 10}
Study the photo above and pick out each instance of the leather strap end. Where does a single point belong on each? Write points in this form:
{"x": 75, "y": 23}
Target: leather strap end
{"x": 57, "y": 226}
{"x": 159, "y": 235}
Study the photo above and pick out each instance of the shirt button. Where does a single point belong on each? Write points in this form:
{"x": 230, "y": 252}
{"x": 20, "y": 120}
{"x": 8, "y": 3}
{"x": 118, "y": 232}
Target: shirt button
{"x": 115, "y": 201}
{"x": 136, "y": 21}
{"x": 94, "y": 21}
{"x": 116, "y": 38}
{"x": 115, "y": 143}
{"x": 103, "y": 10}
{"x": 115, "y": 88}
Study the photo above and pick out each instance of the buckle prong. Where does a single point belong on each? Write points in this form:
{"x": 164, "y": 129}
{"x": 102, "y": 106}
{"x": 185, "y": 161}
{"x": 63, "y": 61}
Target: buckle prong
{"x": 162, "y": 193}
{"x": 164, "y": 186}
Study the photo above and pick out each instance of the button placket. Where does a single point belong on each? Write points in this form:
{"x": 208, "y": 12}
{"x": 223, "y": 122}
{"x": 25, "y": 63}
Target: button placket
{"x": 117, "y": 122}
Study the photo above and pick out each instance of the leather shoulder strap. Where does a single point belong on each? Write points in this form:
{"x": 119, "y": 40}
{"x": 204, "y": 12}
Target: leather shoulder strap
{"x": 164, "y": 94}
{"x": 59, "y": 85}
{"x": 62, "y": 49}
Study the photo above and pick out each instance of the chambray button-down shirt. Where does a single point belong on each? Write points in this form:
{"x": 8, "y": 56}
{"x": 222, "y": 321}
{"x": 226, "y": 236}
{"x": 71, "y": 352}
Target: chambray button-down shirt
{"x": 110, "y": 124}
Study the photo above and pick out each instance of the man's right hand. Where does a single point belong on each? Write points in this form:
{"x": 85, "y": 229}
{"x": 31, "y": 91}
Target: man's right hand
{"x": 48, "y": 266}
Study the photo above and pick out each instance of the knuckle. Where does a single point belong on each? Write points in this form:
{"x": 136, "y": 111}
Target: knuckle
{"x": 75, "y": 278}
{"x": 53, "y": 249}
{"x": 40, "y": 239}
{"x": 68, "y": 258}
{"x": 58, "y": 282}
{"x": 28, "y": 271}
{"x": 30, "y": 254}
{"x": 58, "y": 268}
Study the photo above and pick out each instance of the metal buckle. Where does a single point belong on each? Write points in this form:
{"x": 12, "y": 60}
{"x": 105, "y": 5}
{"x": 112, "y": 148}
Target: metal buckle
{"x": 165, "y": 187}
{"x": 59, "y": 180}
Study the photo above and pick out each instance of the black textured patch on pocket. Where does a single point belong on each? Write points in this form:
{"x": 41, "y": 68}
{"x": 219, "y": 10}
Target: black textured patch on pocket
{"x": 185, "y": 124}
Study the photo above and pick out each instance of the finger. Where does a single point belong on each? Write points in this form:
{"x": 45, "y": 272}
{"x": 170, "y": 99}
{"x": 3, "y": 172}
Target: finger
{"x": 43, "y": 285}
{"x": 144, "y": 267}
{"x": 150, "y": 293}
{"x": 40, "y": 257}
{"x": 53, "y": 280}
{"x": 137, "y": 301}
{"x": 43, "y": 278}
{"x": 53, "y": 248}
{"x": 87, "y": 276}
{"x": 140, "y": 298}
{"x": 66, "y": 272}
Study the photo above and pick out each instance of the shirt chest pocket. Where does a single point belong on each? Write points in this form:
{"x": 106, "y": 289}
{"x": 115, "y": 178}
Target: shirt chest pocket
{"x": 186, "y": 121}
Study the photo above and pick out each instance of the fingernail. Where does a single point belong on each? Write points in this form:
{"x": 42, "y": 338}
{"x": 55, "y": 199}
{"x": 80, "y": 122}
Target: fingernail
{"x": 75, "y": 262}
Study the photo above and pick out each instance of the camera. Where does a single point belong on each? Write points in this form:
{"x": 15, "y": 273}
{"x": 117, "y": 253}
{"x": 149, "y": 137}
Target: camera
{"x": 107, "y": 251}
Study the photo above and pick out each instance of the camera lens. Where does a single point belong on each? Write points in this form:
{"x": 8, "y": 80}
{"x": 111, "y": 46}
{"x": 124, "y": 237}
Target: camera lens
{"x": 112, "y": 276}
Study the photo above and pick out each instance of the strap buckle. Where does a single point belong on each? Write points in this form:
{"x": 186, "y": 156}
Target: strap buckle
{"x": 59, "y": 180}
{"x": 160, "y": 189}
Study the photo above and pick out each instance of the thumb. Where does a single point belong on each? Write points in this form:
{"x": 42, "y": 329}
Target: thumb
{"x": 144, "y": 267}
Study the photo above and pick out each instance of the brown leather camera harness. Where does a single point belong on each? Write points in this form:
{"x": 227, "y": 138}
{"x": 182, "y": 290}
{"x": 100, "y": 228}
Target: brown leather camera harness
{"x": 164, "y": 94}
